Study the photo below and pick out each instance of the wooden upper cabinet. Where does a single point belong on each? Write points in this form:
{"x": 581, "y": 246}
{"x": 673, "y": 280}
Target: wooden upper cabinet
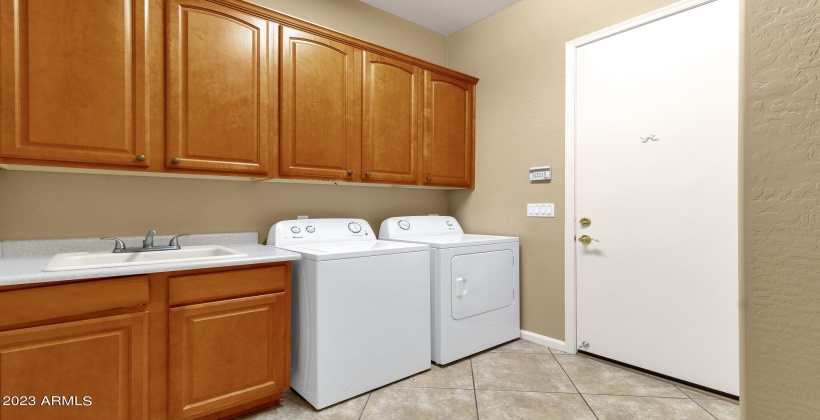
{"x": 73, "y": 81}
{"x": 320, "y": 107}
{"x": 102, "y": 359}
{"x": 391, "y": 120}
{"x": 449, "y": 124}
{"x": 221, "y": 88}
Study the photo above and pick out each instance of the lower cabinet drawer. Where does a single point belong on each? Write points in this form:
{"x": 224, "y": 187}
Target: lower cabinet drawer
{"x": 228, "y": 353}
{"x": 194, "y": 288}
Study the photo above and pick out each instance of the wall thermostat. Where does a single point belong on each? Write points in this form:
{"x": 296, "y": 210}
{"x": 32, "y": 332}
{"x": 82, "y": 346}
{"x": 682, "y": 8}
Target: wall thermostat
{"x": 540, "y": 173}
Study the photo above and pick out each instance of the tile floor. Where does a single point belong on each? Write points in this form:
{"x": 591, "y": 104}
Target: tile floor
{"x": 520, "y": 380}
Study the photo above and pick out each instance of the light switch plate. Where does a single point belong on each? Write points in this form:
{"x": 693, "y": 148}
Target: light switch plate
{"x": 540, "y": 173}
{"x": 541, "y": 210}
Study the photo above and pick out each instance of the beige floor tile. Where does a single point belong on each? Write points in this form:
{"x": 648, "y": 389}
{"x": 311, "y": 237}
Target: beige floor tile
{"x": 595, "y": 377}
{"x": 697, "y": 394}
{"x": 612, "y": 407}
{"x": 555, "y": 351}
{"x": 296, "y": 408}
{"x": 403, "y": 403}
{"x": 508, "y": 405}
{"x": 520, "y": 372}
{"x": 520, "y": 346}
{"x": 721, "y": 409}
{"x": 454, "y": 375}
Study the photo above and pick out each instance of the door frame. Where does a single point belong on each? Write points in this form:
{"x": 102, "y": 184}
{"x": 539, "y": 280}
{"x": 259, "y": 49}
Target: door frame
{"x": 570, "y": 281}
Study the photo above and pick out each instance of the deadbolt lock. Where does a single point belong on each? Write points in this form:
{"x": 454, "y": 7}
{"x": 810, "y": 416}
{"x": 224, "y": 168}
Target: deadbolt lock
{"x": 585, "y": 222}
{"x": 586, "y": 240}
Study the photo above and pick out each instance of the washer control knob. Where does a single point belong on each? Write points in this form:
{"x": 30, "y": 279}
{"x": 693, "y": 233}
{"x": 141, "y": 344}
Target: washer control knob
{"x": 295, "y": 229}
{"x": 449, "y": 223}
{"x": 354, "y": 227}
{"x": 310, "y": 229}
{"x": 404, "y": 224}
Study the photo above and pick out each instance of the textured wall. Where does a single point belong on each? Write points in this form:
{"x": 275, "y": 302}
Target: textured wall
{"x": 518, "y": 54}
{"x": 781, "y": 211}
{"x": 49, "y": 205}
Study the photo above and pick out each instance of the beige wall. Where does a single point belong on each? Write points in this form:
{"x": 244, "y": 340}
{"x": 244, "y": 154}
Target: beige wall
{"x": 518, "y": 54}
{"x": 781, "y": 209}
{"x": 49, "y": 205}
{"x": 358, "y": 19}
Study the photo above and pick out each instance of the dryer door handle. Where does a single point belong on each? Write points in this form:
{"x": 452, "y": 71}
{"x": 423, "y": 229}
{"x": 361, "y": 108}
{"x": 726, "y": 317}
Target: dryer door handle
{"x": 461, "y": 286}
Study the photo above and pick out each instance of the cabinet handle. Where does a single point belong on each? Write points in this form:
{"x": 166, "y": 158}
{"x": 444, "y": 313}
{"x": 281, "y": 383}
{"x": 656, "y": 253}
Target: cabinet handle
{"x": 140, "y": 158}
{"x": 350, "y": 172}
{"x": 176, "y": 160}
{"x": 429, "y": 178}
{"x": 367, "y": 173}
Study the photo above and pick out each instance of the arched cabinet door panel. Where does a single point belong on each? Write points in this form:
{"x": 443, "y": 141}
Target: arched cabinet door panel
{"x": 449, "y": 124}
{"x": 391, "y": 120}
{"x": 320, "y": 106}
{"x": 221, "y": 65}
{"x": 73, "y": 81}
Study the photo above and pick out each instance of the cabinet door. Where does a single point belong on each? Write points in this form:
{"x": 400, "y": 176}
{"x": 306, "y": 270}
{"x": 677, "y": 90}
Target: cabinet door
{"x": 92, "y": 369}
{"x": 73, "y": 81}
{"x": 449, "y": 121}
{"x": 320, "y": 107}
{"x": 390, "y": 120}
{"x": 221, "y": 65}
{"x": 227, "y": 353}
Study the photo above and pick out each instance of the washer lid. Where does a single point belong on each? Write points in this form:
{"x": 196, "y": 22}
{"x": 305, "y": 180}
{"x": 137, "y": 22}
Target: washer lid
{"x": 336, "y": 251}
{"x": 454, "y": 241}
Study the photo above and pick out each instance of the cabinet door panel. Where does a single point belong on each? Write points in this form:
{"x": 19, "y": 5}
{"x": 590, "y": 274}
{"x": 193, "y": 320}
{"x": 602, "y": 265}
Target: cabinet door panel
{"x": 103, "y": 359}
{"x": 320, "y": 105}
{"x": 227, "y": 353}
{"x": 390, "y": 120}
{"x": 73, "y": 81}
{"x": 218, "y": 98}
{"x": 448, "y": 131}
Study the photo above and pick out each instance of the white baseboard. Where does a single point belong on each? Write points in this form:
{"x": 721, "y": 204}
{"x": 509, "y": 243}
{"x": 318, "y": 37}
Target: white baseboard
{"x": 545, "y": 341}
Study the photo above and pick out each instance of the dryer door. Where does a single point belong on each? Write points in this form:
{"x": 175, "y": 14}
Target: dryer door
{"x": 481, "y": 282}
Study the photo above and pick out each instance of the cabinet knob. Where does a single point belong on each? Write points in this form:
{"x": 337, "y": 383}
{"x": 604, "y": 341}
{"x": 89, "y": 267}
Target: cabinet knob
{"x": 429, "y": 178}
{"x": 367, "y": 173}
{"x": 140, "y": 158}
{"x": 176, "y": 160}
{"x": 350, "y": 172}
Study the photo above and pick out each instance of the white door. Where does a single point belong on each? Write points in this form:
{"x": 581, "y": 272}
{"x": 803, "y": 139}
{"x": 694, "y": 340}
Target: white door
{"x": 660, "y": 288}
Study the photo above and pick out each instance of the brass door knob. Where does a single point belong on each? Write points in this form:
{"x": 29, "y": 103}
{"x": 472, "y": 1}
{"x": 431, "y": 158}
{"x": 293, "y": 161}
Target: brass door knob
{"x": 585, "y": 222}
{"x": 586, "y": 240}
{"x": 429, "y": 178}
{"x": 140, "y": 158}
{"x": 367, "y": 173}
{"x": 176, "y": 160}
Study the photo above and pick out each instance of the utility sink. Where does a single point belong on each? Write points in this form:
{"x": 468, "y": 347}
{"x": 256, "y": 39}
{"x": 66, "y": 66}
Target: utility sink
{"x": 104, "y": 259}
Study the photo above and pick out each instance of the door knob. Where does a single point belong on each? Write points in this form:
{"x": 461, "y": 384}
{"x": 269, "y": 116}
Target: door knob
{"x": 586, "y": 240}
{"x": 429, "y": 178}
{"x": 176, "y": 160}
{"x": 350, "y": 172}
{"x": 141, "y": 158}
{"x": 367, "y": 173}
{"x": 585, "y": 222}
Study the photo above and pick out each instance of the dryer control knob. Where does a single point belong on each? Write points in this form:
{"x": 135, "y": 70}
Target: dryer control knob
{"x": 449, "y": 223}
{"x": 354, "y": 227}
{"x": 310, "y": 229}
{"x": 295, "y": 229}
{"x": 404, "y": 224}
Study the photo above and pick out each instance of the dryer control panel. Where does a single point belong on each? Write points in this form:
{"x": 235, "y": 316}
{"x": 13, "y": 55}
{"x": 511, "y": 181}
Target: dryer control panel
{"x": 313, "y": 231}
{"x": 409, "y": 226}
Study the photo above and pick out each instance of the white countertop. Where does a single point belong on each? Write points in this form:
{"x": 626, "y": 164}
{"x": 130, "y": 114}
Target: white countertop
{"x": 28, "y": 269}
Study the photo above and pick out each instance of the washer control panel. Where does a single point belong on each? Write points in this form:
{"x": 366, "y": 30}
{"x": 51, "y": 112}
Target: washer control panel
{"x": 407, "y": 226}
{"x": 313, "y": 231}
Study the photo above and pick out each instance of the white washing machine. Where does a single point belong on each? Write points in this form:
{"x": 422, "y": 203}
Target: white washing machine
{"x": 474, "y": 284}
{"x": 360, "y": 311}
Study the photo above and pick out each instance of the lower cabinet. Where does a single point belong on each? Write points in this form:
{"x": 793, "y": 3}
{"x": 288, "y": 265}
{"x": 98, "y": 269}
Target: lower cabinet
{"x": 226, "y": 353}
{"x": 207, "y": 343}
{"x": 90, "y": 369}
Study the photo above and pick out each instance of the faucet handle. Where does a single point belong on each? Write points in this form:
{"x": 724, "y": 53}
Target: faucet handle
{"x": 118, "y": 245}
{"x": 174, "y": 241}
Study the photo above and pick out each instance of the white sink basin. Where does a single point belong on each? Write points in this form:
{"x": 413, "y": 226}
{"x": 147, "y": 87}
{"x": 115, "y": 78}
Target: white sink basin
{"x": 86, "y": 260}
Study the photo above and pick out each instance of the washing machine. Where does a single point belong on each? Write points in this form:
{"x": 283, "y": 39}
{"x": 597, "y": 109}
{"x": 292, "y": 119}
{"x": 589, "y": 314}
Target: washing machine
{"x": 474, "y": 284}
{"x": 360, "y": 309}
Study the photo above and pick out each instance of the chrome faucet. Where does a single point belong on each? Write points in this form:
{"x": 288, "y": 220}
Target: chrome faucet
{"x": 147, "y": 244}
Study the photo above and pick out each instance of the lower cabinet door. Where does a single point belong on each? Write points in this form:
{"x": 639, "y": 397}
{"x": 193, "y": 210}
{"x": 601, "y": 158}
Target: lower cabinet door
{"x": 227, "y": 353}
{"x": 91, "y": 369}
